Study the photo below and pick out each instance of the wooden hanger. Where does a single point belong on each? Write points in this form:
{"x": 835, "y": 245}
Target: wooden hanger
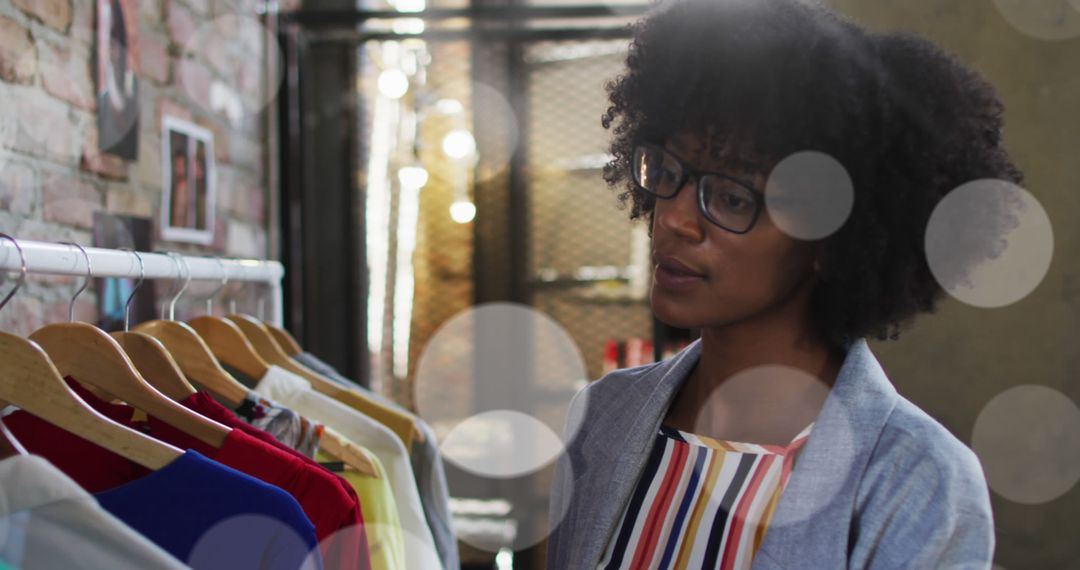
{"x": 150, "y": 356}
{"x": 154, "y": 362}
{"x": 269, "y": 349}
{"x": 190, "y": 352}
{"x": 195, "y": 359}
{"x": 284, "y": 339}
{"x": 332, "y": 442}
{"x": 81, "y": 351}
{"x": 30, "y": 380}
{"x": 91, "y": 356}
{"x": 347, "y": 452}
{"x": 230, "y": 346}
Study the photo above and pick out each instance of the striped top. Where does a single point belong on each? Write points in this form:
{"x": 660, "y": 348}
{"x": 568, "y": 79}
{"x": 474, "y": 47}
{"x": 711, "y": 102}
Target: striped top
{"x": 701, "y": 503}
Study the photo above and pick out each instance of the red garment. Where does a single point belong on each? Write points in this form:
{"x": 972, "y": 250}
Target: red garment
{"x": 331, "y": 510}
{"x": 94, "y": 468}
{"x": 206, "y": 405}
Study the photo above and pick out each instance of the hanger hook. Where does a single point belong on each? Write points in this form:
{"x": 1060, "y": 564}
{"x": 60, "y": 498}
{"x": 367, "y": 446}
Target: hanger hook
{"x": 174, "y": 288}
{"x": 131, "y": 297}
{"x": 22, "y": 270}
{"x": 224, "y": 282}
{"x": 187, "y": 281}
{"x": 89, "y": 277}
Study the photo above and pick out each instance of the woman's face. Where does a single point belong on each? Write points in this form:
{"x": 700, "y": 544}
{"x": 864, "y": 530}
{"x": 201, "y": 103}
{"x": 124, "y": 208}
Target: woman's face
{"x": 705, "y": 276}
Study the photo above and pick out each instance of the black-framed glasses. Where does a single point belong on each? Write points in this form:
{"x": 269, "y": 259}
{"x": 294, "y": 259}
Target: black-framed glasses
{"x": 725, "y": 201}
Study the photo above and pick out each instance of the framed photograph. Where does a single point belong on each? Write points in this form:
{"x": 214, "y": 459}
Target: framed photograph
{"x": 187, "y": 170}
{"x": 117, "y": 82}
{"x": 115, "y": 232}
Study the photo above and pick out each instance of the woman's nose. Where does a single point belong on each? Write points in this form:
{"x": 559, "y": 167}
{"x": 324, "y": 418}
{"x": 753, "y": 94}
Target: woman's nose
{"x": 680, "y": 214}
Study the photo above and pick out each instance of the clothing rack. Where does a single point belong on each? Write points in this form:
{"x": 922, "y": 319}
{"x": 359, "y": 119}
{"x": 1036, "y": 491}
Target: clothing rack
{"x": 61, "y": 259}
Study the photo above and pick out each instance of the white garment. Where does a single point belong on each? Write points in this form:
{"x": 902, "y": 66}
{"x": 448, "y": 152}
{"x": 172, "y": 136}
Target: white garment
{"x": 296, "y": 393}
{"x": 48, "y": 521}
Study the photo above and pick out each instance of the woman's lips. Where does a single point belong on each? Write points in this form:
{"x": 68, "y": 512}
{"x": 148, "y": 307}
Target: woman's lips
{"x": 673, "y": 274}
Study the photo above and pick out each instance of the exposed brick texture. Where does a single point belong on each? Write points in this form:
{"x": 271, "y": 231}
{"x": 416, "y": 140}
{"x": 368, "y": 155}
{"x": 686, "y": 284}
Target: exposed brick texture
{"x": 53, "y": 176}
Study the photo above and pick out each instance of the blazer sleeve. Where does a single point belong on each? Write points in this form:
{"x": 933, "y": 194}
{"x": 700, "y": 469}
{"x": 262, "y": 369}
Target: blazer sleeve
{"x": 560, "y": 514}
{"x": 923, "y": 503}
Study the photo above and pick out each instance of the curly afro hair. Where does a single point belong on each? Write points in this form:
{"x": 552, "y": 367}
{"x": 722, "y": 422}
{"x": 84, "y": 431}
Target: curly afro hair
{"x": 908, "y": 121}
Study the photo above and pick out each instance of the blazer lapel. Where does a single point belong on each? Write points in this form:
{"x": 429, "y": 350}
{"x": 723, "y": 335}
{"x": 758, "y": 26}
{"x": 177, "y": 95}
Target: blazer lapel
{"x": 629, "y": 428}
{"x": 811, "y": 524}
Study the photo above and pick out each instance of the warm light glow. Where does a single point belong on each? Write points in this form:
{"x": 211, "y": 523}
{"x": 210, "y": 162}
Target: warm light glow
{"x": 410, "y": 5}
{"x": 459, "y": 144}
{"x": 393, "y": 83}
{"x": 413, "y": 176}
{"x": 463, "y": 211}
{"x": 449, "y": 106}
{"x": 408, "y": 26}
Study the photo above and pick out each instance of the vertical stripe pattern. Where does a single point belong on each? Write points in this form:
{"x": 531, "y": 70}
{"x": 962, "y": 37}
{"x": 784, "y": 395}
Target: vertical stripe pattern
{"x": 701, "y": 503}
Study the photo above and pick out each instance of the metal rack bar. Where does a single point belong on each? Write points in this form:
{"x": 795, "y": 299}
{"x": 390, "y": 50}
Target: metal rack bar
{"x": 60, "y": 259}
{"x": 344, "y": 18}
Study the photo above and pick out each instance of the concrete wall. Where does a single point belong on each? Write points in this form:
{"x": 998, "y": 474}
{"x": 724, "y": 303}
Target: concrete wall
{"x": 953, "y": 363}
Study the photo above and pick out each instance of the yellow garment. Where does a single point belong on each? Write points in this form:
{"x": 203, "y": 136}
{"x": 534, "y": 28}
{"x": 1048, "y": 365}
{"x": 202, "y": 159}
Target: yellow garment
{"x": 386, "y": 544}
{"x": 401, "y": 423}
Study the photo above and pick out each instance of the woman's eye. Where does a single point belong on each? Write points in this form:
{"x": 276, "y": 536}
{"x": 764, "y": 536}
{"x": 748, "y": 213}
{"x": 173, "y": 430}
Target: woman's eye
{"x": 733, "y": 202}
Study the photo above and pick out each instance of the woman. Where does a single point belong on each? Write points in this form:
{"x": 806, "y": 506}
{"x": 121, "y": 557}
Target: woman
{"x": 776, "y": 440}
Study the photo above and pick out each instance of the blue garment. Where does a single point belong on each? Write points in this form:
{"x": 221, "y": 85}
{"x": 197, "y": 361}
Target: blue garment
{"x": 212, "y": 517}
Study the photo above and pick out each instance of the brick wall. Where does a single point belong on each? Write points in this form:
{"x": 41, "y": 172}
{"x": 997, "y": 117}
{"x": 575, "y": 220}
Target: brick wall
{"x": 52, "y": 177}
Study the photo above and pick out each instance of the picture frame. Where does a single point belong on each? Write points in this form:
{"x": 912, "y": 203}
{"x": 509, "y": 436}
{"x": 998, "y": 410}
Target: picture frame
{"x": 117, "y": 93}
{"x": 189, "y": 190}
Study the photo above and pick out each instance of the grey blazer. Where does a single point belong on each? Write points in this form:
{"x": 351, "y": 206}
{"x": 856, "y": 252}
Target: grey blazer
{"x": 878, "y": 485}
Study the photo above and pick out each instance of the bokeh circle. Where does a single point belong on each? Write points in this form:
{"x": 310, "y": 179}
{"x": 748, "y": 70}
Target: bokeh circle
{"x": 1050, "y": 20}
{"x": 989, "y": 243}
{"x": 217, "y": 71}
{"x": 809, "y": 195}
{"x": 1028, "y": 441}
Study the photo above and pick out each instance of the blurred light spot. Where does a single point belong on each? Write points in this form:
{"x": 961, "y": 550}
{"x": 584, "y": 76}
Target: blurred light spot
{"x": 413, "y": 176}
{"x": 989, "y": 243}
{"x": 459, "y": 144}
{"x": 449, "y": 106}
{"x": 809, "y": 195}
{"x": 1050, "y": 20}
{"x": 462, "y": 212}
{"x": 408, "y": 26}
{"x": 410, "y": 5}
{"x": 1028, "y": 440}
{"x": 393, "y": 83}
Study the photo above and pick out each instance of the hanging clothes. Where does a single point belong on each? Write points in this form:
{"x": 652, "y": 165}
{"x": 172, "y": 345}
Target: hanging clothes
{"x": 293, "y": 391}
{"x": 177, "y": 505}
{"x": 385, "y": 541}
{"x": 215, "y": 516}
{"x": 382, "y": 525}
{"x": 286, "y": 426}
{"x": 48, "y": 521}
{"x": 426, "y": 462}
{"x": 330, "y": 509}
{"x": 206, "y": 405}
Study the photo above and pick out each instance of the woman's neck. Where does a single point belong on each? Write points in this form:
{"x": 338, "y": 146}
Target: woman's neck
{"x": 761, "y": 380}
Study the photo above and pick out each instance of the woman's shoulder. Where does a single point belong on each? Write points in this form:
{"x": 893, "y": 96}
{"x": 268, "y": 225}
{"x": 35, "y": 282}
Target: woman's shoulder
{"x": 923, "y": 493}
{"x": 922, "y": 445}
{"x": 923, "y": 498}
